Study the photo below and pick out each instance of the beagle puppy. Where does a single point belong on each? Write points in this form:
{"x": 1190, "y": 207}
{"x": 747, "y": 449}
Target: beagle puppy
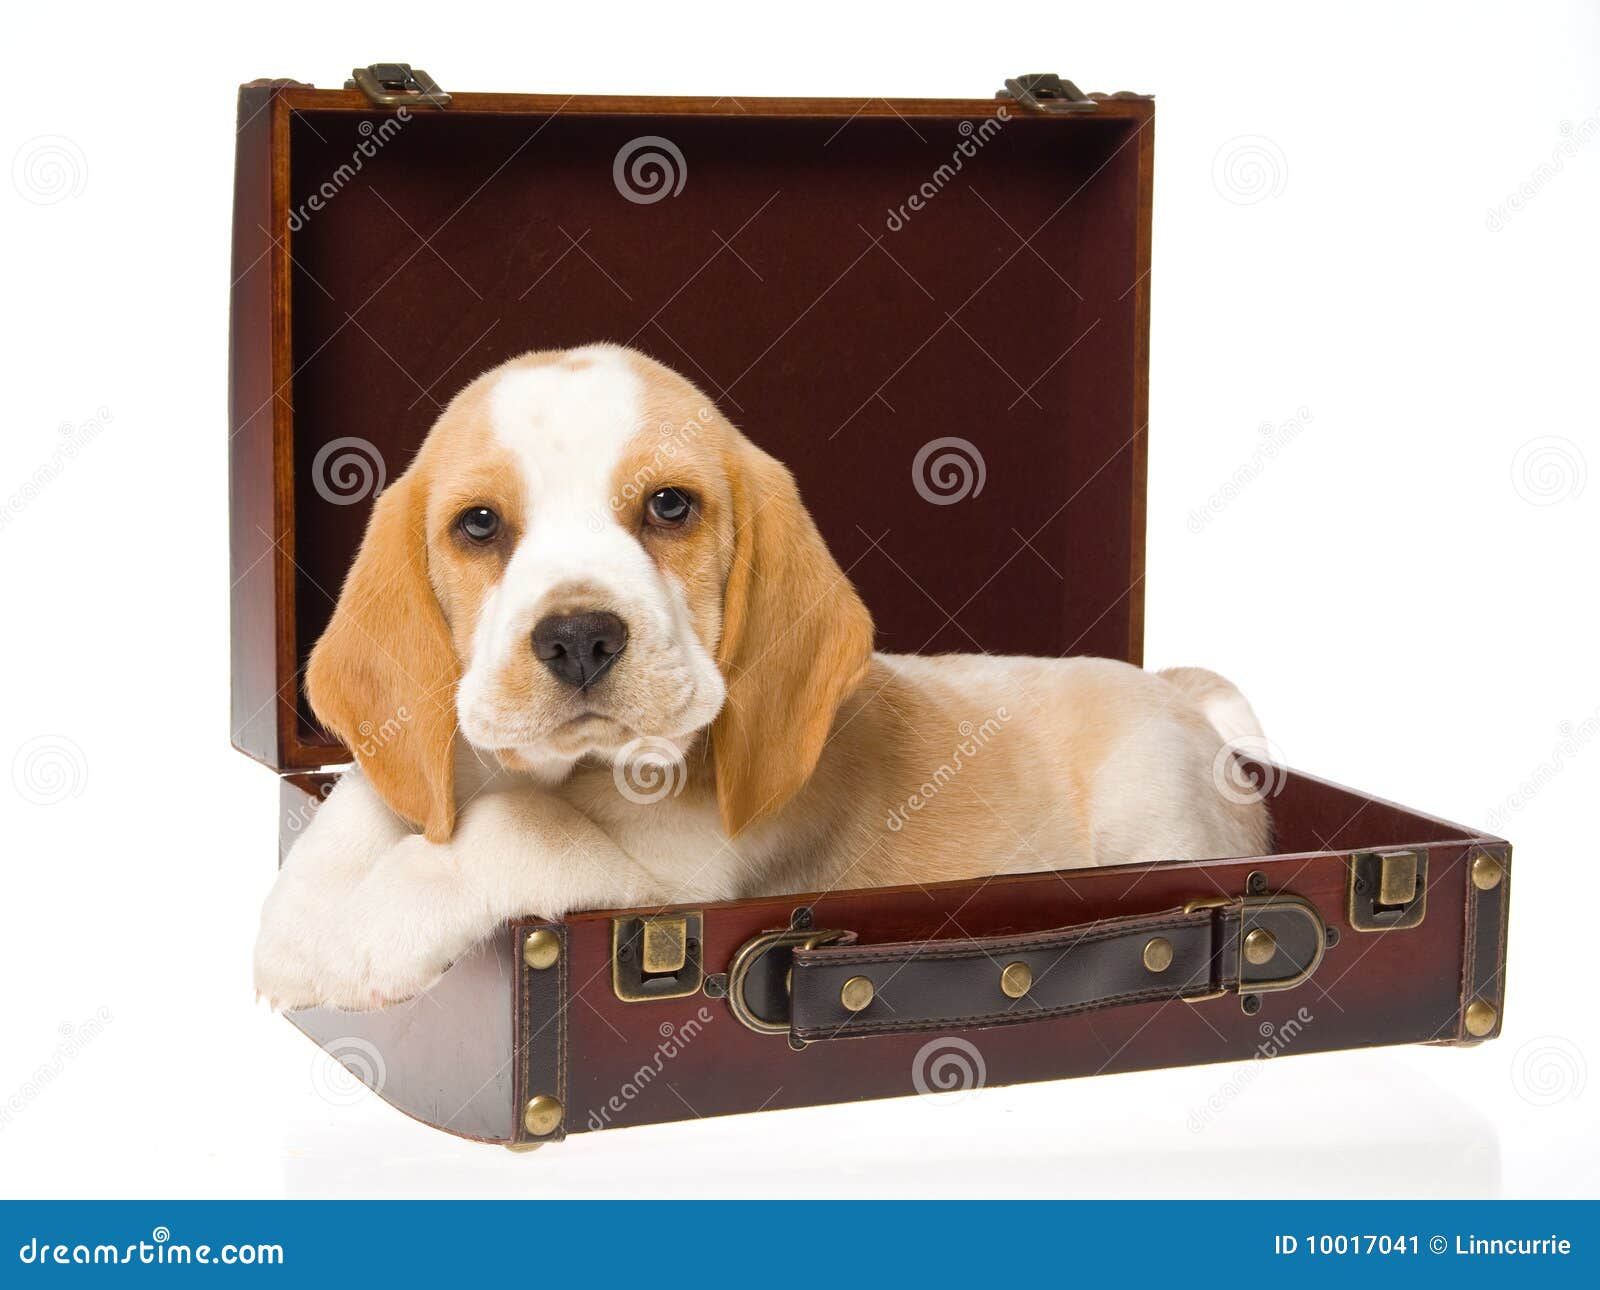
{"x": 594, "y": 653}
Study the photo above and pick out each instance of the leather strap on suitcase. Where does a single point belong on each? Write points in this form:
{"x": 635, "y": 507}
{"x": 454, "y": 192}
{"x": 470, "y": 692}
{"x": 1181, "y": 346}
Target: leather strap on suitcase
{"x": 842, "y": 990}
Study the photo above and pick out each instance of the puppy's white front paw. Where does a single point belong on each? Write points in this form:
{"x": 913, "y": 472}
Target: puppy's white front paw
{"x": 287, "y": 951}
{"x": 394, "y": 935}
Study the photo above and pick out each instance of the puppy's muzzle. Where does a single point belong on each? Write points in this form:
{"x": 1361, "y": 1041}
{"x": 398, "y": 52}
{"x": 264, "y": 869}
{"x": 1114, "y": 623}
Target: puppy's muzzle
{"x": 579, "y": 648}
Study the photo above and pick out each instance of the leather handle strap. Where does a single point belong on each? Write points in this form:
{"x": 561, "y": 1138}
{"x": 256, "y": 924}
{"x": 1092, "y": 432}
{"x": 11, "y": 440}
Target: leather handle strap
{"x": 1249, "y": 944}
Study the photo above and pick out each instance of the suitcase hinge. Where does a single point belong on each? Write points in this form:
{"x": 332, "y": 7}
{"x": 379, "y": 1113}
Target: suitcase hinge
{"x": 1046, "y": 92}
{"x": 397, "y": 85}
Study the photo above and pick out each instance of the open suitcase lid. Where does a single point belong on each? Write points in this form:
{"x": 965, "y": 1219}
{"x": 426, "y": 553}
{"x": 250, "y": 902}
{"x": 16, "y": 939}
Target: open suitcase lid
{"x": 935, "y": 311}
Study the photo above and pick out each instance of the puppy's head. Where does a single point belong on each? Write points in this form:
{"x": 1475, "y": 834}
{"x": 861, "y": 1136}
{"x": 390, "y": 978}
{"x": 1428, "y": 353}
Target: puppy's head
{"x": 585, "y": 553}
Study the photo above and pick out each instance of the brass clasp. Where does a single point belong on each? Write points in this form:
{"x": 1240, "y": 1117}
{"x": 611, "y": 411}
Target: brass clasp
{"x": 397, "y": 85}
{"x": 657, "y": 956}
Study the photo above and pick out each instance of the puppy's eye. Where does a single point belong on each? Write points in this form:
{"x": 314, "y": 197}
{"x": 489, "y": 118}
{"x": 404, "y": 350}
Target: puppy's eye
{"x": 479, "y": 524}
{"x": 669, "y": 509}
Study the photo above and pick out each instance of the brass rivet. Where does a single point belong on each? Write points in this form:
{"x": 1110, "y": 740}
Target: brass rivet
{"x": 1015, "y": 980}
{"x": 1487, "y": 871}
{"x": 1158, "y": 954}
{"x": 856, "y": 993}
{"x": 1259, "y": 947}
{"x": 542, "y": 1116}
{"x": 1481, "y": 1018}
{"x": 541, "y": 949}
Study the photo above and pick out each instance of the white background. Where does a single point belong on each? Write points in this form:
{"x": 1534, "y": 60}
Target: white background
{"x": 1407, "y": 590}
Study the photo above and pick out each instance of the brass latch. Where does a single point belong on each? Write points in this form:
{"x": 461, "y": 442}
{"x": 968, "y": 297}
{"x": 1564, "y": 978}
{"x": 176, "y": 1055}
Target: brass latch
{"x": 1046, "y": 92}
{"x": 397, "y": 85}
{"x": 1388, "y": 889}
{"x": 656, "y": 956}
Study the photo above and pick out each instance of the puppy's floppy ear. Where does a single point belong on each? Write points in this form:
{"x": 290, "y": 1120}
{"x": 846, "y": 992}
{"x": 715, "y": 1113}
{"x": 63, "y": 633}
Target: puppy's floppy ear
{"x": 383, "y": 676}
{"x": 796, "y": 642}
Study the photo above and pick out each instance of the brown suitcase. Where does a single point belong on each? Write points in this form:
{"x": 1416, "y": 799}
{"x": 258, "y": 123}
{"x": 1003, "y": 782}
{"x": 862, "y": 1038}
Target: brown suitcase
{"x": 841, "y": 275}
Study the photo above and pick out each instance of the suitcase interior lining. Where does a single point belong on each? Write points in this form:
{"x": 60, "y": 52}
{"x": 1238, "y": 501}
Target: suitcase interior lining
{"x": 772, "y": 280}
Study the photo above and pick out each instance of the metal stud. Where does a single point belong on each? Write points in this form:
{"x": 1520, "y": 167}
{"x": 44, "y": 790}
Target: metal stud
{"x": 1015, "y": 980}
{"x": 1260, "y": 946}
{"x": 1487, "y": 871}
{"x": 541, "y": 949}
{"x": 542, "y": 1116}
{"x": 1481, "y": 1018}
{"x": 856, "y": 993}
{"x": 1158, "y": 954}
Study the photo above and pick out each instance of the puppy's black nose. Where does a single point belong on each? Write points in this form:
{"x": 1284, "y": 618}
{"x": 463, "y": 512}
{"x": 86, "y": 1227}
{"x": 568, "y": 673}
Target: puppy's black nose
{"x": 579, "y": 647}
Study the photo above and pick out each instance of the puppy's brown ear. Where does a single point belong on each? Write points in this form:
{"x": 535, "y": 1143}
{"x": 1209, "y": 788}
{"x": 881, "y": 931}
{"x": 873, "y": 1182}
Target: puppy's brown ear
{"x": 383, "y": 676}
{"x": 796, "y": 642}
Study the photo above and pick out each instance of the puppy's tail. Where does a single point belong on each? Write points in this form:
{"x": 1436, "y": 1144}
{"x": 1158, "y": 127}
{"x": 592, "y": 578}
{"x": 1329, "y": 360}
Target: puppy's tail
{"x": 1221, "y": 703}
